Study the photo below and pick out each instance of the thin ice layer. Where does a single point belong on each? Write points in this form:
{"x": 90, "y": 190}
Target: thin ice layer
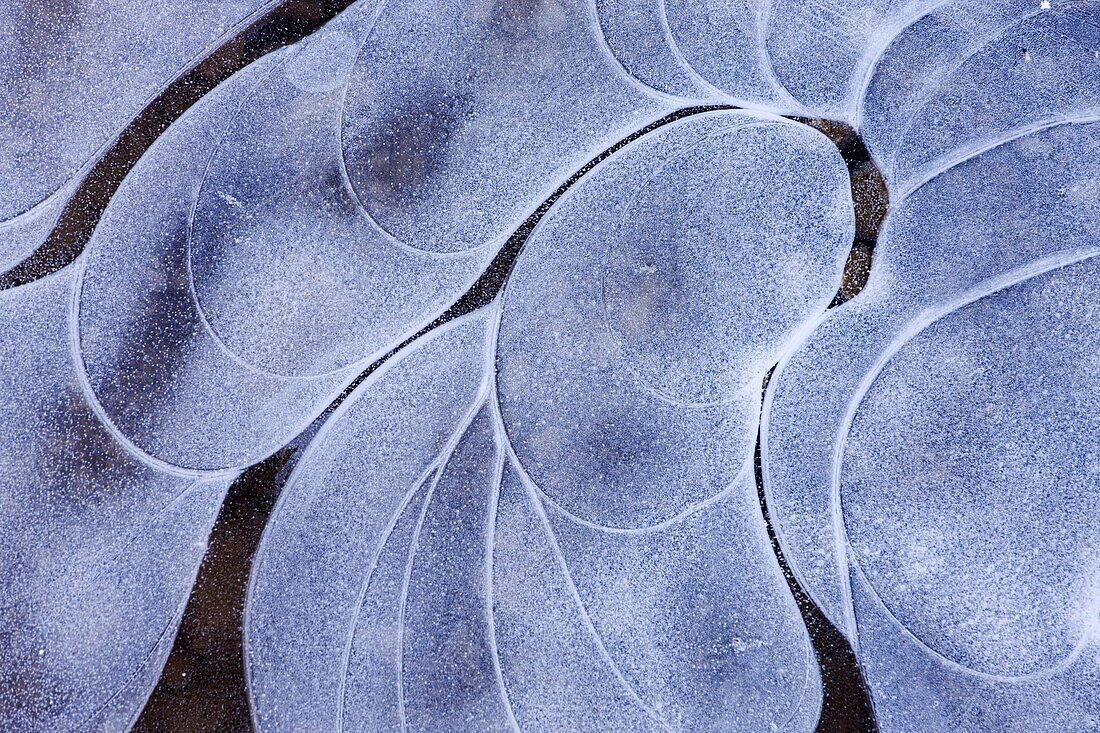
{"x": 157, "y": 372}
{"x": 916, "y": 691}
{"x": 370, "y": 698}
{"x": 73, "y": 74}
{"x": 555, "y": 668}
{"x": 314, "y": 563}
{"x": 460, "y": 118}
{"x": 725, "y": 43}
{"x": 22, "y": 235}
{"x": 101, "y": 549}
{"x": 449, "y": 668}
{"x": 972, "y": 74}
{"x": 289, "y": 271}
{"x": 822, "y": 51}
{"x": 698, "y": 616}
{"x": 638, "y": 34}
{"x": 647, "y": 306}
{"x": 970, "y": 479}
{"x": 1020, "y": 208}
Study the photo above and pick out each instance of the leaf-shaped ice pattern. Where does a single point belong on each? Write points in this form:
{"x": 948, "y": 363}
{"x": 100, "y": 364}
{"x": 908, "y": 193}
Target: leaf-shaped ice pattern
{"x": 100, "y": 548}
{"x": 157, "y": 372}
{"x": 696, "y": 612}
{"x": 378, "y": 608}
{"x": 543, "y": 515}
{"x": 649, "y": 304}
{"x": 560, "y": 676}
{"x": 973, "y": 654}
{"x": 696, "y": 50}
{"x": 450, "y": 676}
{"x": 287, "y": 268}
{"x": 822, "y": 51}
{"x": 460, "y": 117}
{"x": 73, "y": 73}
{"x": 332, "y": 563}
{"x": 971, "y": 74}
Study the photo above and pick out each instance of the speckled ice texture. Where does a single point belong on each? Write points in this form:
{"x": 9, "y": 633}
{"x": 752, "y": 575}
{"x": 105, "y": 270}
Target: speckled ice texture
{"x": 537, "y": 300}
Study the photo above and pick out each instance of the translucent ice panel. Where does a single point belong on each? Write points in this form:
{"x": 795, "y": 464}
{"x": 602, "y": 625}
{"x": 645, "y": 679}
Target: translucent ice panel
{"x": 461, "y": 117}
{"x": 290, "y": 273}
{"x": 639, "y": 36}
{"x": 972, "y": 74}
{"x": 100, "y": 548}
{"x": 325, "y": 607}
{"x": 725, "y": 44}
{"x": 822, "y": 51}
{"x": 159, "y": 375}
{"x": 970, "y": 478}
{"x": 73, "y": 74}
{"x": 694, "y": 618}
{"x": 646, "y": 308}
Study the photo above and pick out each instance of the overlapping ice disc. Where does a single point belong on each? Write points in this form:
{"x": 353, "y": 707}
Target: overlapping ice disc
{"x": 967, "y": 466}
{"x": 162, "y": 379}
{"x": 323, "y": 630}
{"x": 73, "y": 74}
{"x": 646, "y": 308}
{"x": 100, "y": 548}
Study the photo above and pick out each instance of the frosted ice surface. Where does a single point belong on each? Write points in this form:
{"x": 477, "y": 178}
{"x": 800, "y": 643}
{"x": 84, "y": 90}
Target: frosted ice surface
{"x": 324, "y": 637}
{"x": 821, "y": 51}
{"x": 370, "y": 697}
{"x": 638, "y": 34}
{"x": 158, "y": 374}
{"x": 918, "y": 691}
{"x": 100, "y": 548}
{"x": 646, "y": 308}
{"x": 970, "y": 479}
{"x": 289, "y": 271}
{"x": 725, "y": 44}
{"x": 461, "y": 117}
{"x": 73, "y": 74}
{"x": 557, "y": 671}
{"x": 698, "y": 616}
{"x": 969, "y": 461}
{"x": 314, "y": 585}
{"x": 449, "y": 667}
{"x": 972, "y": 74}
{"x": 542, "y": 515}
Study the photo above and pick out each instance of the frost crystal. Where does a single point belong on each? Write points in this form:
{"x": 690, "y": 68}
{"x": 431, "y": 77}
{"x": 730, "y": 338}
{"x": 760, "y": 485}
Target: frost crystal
{"x": 543, "y": 365}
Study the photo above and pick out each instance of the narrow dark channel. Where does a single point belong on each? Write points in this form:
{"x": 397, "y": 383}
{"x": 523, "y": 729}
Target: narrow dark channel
{"x": 846, "y": 705}
{"x": 202, "y": 687}
{"x": 283, "y": 24}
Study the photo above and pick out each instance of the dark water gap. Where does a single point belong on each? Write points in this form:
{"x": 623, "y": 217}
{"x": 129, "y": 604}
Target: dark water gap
{"x": 202, "y": 686}
{"x": 283, "y": 24}
{"x": 846, "y": 705}
{"x": 203, "y": 689}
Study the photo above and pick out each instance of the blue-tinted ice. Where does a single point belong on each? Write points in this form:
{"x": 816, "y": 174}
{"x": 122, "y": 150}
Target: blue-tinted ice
{"x": 509, "y": 278}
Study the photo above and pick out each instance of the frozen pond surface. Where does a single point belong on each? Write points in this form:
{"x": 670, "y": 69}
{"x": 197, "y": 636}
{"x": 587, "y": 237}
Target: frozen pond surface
{"x": 550, "y": 365}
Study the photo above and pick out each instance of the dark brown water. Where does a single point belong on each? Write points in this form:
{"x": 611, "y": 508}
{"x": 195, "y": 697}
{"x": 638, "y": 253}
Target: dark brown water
{"x": 202, "y": 688}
